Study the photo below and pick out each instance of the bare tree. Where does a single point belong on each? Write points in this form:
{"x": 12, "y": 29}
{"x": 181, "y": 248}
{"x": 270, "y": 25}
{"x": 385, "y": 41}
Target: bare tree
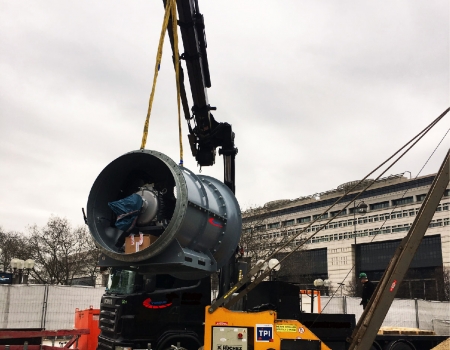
{"x": 12, "y": 245}
{"x": 446, "y": 278}
{"x": 352, "y": 287}
{"x": 263, "y": 233}
{"x": 62, "y": 253}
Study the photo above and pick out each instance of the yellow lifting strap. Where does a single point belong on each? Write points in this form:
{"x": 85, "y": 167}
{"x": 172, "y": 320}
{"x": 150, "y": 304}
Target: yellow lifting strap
{"x": 171, "y": 11}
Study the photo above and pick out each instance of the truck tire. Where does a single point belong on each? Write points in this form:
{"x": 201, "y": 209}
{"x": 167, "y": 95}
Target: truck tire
{"x": 376, "y": 346}
{"x": 399, "y": 344}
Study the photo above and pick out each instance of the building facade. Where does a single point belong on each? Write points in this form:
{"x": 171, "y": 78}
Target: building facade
{"x": 358, "y": 240}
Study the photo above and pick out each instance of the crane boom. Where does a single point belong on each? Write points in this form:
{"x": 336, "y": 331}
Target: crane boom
{"x": 207, "y": 134}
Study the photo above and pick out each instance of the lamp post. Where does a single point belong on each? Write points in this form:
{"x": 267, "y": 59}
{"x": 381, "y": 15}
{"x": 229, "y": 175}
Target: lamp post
{"x": 361, "y": 208}
{"x": 275, "y": 266}
{"x": 317, "y": 283}
{"x": 29, "y": 264}
{"x": 18, "y": 265}
{"x": 341, "y": 286}
{"x": 327, "y": 285}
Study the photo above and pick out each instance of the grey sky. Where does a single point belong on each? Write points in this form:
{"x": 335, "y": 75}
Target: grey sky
{"x": 318, "y": 93}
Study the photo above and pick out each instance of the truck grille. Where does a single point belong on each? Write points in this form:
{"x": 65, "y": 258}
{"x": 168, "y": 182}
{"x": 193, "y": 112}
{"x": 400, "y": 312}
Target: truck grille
{"x": 109, "y": 313}
{"x": 104, "y": 344}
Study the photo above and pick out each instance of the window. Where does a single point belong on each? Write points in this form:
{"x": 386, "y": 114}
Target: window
{"x": 260, "y": 228}
{"x": 445, "y": 206}
{"x": 324, "y": 216}
{"x": 386, "y": 229}
{"x": 247, "y": 230}
{"x": 336, "y": 213}
{"x": 402, "y": 201}
{"x": 447, "y": 192}
{"x": 420, "y": 197}
{"x": 274, "y": 225}
{"x": 400, "y": 228}
{"x": 435, "y": 223}
{"x": 379, "y": 205}
{"x": 304, "y": 219}
{"x": 289, "y": 222}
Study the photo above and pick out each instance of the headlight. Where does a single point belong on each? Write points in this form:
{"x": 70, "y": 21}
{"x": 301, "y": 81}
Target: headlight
{"x": 123, "y": 348}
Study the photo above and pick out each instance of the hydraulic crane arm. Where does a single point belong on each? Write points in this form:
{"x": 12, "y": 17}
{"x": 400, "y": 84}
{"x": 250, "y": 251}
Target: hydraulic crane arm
{"x": 206, "y": 134}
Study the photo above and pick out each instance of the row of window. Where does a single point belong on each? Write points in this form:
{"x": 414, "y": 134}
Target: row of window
{"x": 351, "y": 235}
{"x": 375, "y": 231}
{"x": 349, "y": 222}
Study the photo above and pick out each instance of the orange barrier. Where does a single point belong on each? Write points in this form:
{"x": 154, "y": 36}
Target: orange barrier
{"x": 316, "y": 294}
{"x": 88, "y": 319}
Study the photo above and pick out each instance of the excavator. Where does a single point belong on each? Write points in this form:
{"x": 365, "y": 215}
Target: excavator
{"x": 185, "y": 229}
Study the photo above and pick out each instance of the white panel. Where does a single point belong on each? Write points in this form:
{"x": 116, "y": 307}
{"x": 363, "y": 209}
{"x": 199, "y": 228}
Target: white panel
{"x": 25, "y": 306}
{"x": 63, "y": 300}
{"x": 4, "y": 303}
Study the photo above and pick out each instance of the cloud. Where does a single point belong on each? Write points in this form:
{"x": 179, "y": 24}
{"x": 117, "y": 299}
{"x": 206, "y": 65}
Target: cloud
{"x": 318, "y": 93}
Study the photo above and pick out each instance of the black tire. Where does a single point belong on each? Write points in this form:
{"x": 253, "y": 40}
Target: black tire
{"x": 376, "y": 346}
{"x": 399, "y": 344}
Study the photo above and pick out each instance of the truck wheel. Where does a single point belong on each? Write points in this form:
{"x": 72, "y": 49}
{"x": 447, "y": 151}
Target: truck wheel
{"x": 376, "y": 346}
{"x": 399, "y": 344}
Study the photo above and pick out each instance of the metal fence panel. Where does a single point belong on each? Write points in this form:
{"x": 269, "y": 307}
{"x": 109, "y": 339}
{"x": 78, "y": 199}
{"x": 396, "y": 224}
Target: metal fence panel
{"x": 354, "y": 307}
{"x": 4, "y": 305}
{"x": 332, "y": 305}
{"x": 402, "y": 313}
{"x": 429, "y": 310}
{"x": 441, "y": 327}
{"x": 22, "y": 307}
{"x": 63, "y": 300}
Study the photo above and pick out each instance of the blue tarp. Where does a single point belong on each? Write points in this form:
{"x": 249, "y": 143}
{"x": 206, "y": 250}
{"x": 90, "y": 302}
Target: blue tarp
{"x": 127, "y": 210}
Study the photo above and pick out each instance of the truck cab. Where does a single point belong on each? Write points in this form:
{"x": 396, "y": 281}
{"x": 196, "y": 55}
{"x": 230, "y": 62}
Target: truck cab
{"x": 141, "y": 311}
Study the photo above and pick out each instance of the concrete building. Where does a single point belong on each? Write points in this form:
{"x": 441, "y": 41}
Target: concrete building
{"x": 364, "y": 240}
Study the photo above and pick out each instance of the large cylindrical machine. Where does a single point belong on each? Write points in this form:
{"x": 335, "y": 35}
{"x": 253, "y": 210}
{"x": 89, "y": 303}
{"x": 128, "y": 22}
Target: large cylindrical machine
{"x": 196, "y": 218}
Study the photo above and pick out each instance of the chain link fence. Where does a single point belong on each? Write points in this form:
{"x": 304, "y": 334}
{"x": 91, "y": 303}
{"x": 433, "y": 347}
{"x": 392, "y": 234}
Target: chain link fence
{"x": 43, "y": 306}
{"x": 53, "y": 307}
{"x": 410, "y": 313}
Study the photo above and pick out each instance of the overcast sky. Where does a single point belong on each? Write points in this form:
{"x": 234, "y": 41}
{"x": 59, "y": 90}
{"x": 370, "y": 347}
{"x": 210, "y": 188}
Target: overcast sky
{"x": 318, "y": 92}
